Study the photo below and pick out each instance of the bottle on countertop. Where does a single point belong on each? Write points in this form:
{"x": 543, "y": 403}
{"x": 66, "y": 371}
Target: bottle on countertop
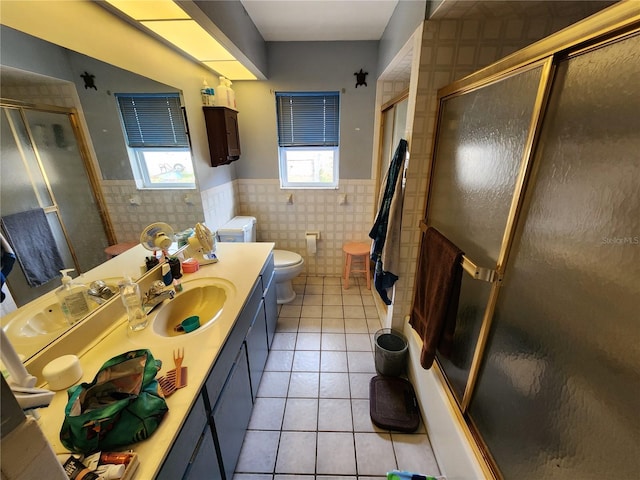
{"x": 130, "y": 294}
{"x": 73, "y": 298}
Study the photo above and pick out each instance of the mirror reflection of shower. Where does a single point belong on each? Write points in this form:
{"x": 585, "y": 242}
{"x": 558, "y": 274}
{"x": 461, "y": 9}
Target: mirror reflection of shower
{"x": 44, "y": 168}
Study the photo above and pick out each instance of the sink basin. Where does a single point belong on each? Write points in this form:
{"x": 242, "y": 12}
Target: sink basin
{"x": 204, "y": 297}
{"x": 49, "y": 320}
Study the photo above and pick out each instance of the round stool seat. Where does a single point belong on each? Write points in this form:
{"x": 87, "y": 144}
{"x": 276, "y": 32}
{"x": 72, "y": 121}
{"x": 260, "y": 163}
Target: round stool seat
{"x": 284, "y": 258}
{"x": 118, "y": 248}
{"x": 361, "y": 251}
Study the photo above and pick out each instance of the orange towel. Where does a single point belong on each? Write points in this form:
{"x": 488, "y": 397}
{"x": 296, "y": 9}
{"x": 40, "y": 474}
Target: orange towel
{"x": 435, "y": 304}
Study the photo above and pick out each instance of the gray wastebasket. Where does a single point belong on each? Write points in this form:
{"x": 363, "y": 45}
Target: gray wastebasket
{"x": 391, "y": 352}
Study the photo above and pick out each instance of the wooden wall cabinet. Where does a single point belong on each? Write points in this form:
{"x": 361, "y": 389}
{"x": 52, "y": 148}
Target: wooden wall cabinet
{"x": 222, "y": 133}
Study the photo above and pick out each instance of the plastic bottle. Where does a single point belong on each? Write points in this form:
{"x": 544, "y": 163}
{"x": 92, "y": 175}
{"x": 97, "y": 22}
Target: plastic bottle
{"x": 130, "y": 294}
{"x": 231, "y": 94}
{"x": 73, "y": 298}
{"x": 222, "y": 97}
{"x": 207, "y": 93}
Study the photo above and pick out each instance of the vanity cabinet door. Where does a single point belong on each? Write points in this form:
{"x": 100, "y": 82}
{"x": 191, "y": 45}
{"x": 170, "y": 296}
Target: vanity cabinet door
{"x": 178, "y": 459}
{"x": 232, "y": 412}
{"x": 204, "y": 462}
{"x": 227, "y": 355}
{"x": 257, "y": 349}
{"x": 222, "y": 133}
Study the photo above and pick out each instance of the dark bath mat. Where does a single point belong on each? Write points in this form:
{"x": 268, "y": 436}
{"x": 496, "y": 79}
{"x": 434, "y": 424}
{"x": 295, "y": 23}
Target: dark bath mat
{"x": 393, "y": 404}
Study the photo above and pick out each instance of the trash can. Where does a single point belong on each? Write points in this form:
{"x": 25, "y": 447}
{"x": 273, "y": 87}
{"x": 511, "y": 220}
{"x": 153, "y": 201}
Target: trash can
{"x": 391, "y": 352}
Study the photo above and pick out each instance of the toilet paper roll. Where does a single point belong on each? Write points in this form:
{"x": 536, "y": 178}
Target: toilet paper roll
{"x": 311, "y": 244}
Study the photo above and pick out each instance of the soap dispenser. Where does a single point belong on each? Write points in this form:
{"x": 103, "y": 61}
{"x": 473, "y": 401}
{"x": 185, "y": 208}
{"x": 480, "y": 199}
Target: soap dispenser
{"x": 130, "y": 294}
{"x": 73, "y": 298}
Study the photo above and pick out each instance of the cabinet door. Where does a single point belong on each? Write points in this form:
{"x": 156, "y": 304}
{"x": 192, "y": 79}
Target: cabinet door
{"x": 257, "y": 349}
{"x": 232, "y": 413}
{"x": 233, "y": 137}
{"x": 204, "y": 462}
{"x": 177, "y": 461}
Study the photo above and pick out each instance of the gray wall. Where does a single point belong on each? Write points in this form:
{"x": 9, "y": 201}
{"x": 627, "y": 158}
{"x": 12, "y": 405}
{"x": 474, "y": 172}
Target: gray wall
{"x": 235, "y": 23}
{"x": 406, "y": 17}
{"x": 309, "y": 66}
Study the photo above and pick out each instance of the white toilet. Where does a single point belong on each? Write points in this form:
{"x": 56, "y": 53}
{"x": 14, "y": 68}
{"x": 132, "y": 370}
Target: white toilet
{"x": 288, "y": 265}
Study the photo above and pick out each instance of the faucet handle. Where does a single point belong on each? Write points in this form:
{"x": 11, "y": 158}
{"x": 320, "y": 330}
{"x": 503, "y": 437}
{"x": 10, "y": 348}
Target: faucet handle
{"x": 157, "y": 288}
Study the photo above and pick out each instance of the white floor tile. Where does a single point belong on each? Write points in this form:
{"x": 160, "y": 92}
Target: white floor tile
{"x": 352, "y": 300}
{"x": 353, "y": 311}
{"x": 304, "y": 385}
{"x": 274, "y": 384}
{"x": 297, "y": 453}
{"x": 308, "y": 341}
{"x": 361, "y": 362}
{"x": 306, "y": 361}
{"x": 333, "y": 362}
{"x": 310, "y": 325}
{"x": 251, "y": 476}
{"x": 267, "y": 413}
{"x": 358, "y": 342}
{"x": 355, "y": 325}
{"x": 414, "y": 454}
{"x": 332, "y": 311}
{"x": 334, "y": 415}
{"x": 284, "y": 341}
{"x": 336, "y": 454}
{"x": 279, "y": 361}
{"x": 374, "y": 453}
{"x": 362, "y": 416}
{"x": 333, "y": 341}
{"x": 289, "y": 311}
{"x": 287, "y": 324}
{"x": 359, "y": 383}
{"x": 334, "y": 385}
{"x": 314, "y": 311}
{"x": 311, "y": 299}
{"x": 258, "y": 454}
{"x": 301, "y": 414}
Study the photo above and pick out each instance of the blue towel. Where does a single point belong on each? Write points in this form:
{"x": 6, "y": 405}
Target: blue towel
{"x": 34, "y": 246}
{"x": 382, "y": 277}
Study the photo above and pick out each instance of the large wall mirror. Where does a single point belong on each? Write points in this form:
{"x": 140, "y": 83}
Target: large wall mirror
{"x": 60, "y": 137}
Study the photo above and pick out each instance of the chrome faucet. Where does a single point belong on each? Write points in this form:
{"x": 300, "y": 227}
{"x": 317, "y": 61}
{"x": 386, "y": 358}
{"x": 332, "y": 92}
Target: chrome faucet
{"x": 155, "y": 296}
{"x": 100, "y": 292}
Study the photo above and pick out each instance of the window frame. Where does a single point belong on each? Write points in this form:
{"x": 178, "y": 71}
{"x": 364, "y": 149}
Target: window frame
{"x": 177, "y": 139}
{"x": 320, "y": 142}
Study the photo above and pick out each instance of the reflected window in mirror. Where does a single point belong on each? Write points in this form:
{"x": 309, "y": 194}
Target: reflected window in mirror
{"x": 154, "y": 126}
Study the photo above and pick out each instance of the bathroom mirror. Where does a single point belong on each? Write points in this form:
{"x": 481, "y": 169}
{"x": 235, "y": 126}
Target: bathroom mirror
{"x": 38, "y": 82}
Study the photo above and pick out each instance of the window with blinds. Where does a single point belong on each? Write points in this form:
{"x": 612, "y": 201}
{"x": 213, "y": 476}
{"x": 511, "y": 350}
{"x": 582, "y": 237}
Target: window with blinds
{"x": 154, "y": 128}
{"x": 308, "y": 138}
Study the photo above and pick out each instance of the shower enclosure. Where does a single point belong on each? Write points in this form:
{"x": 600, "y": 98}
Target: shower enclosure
{"x": 45, "y": 165}
{"x": 536, "y": 176}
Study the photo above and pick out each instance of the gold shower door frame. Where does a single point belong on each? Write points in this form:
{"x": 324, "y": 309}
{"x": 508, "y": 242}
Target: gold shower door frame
{"x": 83, "y": 150}
{"x": 616, "y": 22}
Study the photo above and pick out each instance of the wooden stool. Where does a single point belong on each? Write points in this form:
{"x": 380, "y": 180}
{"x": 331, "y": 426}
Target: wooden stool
{"x": 360, "y": 251}
{"x": 118, "y": 248}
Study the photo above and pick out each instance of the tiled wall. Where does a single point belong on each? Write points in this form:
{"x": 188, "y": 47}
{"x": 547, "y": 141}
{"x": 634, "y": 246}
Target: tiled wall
{"x": 220, "y": 204}
{"x": 452, "y": 49}
{"x": 310, "y": 210}
{"x": 167, "y": 206}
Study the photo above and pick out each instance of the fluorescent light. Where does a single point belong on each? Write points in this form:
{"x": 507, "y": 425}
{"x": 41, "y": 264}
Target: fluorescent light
{"x": 166, "y": 19}
{"x": 189, "y": 36}
{"x": 150, "y": 9}
{"x": 232, "y": 69}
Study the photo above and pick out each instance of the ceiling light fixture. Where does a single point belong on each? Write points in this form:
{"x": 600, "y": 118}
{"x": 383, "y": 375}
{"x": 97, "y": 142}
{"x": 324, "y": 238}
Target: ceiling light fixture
{"x": 168, "y": 21}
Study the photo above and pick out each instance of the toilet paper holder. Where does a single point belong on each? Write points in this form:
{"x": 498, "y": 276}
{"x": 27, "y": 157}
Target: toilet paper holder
{"x": 313, "y": 234}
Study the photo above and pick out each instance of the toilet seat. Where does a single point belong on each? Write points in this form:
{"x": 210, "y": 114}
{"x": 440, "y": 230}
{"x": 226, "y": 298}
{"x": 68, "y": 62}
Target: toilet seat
{"x": 283, "y": 258}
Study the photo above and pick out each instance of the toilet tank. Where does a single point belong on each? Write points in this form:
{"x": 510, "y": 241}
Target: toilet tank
{"x": 238, "y": 229}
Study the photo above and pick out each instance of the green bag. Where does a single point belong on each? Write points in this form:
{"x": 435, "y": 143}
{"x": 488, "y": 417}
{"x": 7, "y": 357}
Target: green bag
{"x": 123, "y": 405}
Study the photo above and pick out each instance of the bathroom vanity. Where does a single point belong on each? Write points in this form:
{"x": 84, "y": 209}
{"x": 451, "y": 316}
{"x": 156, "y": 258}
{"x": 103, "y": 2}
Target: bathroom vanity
{"x": 202, "y": 434}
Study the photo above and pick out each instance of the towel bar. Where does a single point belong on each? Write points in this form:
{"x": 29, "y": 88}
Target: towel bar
{"x": 479, "y": 273}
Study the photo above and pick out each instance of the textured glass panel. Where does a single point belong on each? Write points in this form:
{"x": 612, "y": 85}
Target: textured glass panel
{"x": 559, "y": 393}
{"x": 480, "y": 144}
{"x": 19, "y": 185}
{"x": 474, "y": 296}
{"x": 70, "y": 184}
{"x": 480, "y": 147}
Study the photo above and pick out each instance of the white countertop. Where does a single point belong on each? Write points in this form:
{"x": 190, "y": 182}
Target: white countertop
{"x": 240, "y": 264}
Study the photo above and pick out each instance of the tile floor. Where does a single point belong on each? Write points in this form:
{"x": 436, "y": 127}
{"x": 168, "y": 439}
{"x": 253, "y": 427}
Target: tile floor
{"x": 311, "y": 417}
